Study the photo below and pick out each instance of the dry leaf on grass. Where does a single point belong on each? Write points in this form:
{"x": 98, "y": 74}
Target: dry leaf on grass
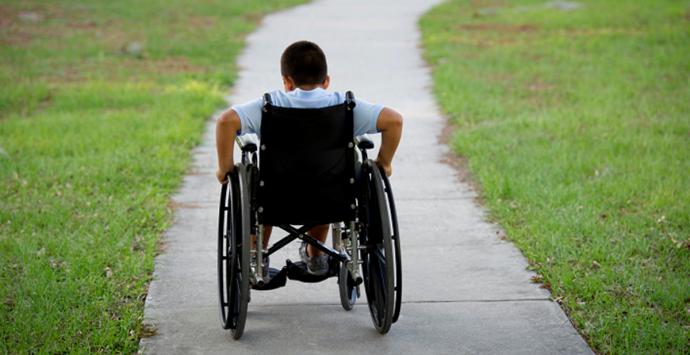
{"x": 147, "y": 329}
{"x": 681, "y": 244}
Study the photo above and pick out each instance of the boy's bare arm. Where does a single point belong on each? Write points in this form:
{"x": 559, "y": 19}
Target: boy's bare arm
{"x": 390, "y": 124}
{"x": 226, "y": 130}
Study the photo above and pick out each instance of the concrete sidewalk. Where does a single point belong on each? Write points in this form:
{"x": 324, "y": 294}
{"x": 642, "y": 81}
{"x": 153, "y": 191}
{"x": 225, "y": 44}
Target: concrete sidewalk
{"x": 466, "y": 291}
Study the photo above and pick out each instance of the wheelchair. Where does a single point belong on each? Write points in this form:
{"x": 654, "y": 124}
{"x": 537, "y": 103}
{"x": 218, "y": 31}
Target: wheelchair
{"x": 309, "y": 170}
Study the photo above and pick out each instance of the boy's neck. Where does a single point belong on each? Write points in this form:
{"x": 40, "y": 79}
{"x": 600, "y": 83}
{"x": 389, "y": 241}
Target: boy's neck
{"x": 309, "y": 87}
{"x": 289, "y": 86}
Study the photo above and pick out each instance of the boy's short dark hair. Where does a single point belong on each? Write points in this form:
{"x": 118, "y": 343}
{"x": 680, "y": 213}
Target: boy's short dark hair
{"x": 305, "y": 63}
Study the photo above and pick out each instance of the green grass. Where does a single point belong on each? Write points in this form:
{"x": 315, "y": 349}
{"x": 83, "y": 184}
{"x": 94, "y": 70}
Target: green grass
{"x": 576, "y": 127}
{"x": 93, "y": 142}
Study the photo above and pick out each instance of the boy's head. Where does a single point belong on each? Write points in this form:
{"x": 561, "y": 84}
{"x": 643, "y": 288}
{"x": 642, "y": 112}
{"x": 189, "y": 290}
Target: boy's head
{"x": 304, "y": 64}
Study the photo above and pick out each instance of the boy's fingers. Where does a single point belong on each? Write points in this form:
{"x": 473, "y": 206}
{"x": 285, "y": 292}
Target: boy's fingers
{"x": 386, "y": 168}
{"x": 222, "y": 176}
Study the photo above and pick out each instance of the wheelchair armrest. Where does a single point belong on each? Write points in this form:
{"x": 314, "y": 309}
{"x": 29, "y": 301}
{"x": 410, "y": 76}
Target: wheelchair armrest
{"x": 246, "y": 143}
{"x": 364, "y": 142}
{"x": 350, "y": 100}
{"x": 267, "y": 102}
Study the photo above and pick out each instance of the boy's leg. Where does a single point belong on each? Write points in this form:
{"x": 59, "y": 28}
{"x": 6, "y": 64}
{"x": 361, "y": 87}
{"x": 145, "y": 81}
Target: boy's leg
{"x": 316, "y": 260}
{"x": 319, "y": 233}
{"x": 267, "y": 236}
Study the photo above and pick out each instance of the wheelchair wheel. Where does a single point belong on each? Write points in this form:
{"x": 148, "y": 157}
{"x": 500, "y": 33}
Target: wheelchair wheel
{"x": 378, "y": 259}
{"x": 348, "y": 290}
{"x": 396, "y": 246}
{"x": 233, "y": 258}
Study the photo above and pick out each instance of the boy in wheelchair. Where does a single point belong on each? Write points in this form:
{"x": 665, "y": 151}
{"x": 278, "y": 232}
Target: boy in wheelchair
{"x": 305, "y": 80}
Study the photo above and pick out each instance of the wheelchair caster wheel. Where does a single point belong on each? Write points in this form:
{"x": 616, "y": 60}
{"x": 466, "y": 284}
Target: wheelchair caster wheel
{"x": 348, "y": 289}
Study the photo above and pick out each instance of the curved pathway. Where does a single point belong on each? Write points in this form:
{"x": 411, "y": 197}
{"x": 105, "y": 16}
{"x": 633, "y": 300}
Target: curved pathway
{"x": 466, "y": 291}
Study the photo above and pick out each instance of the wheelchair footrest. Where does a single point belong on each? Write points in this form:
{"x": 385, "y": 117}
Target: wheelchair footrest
{"x": 278, "y": 280}
{"x": 296, "y": 271}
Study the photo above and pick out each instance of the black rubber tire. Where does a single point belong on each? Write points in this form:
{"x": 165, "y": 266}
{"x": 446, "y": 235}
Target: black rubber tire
{"x": 233, "y": 258}
{"x": 396, "y": 246}
{"x": 226, "y": 255}
{"x": 378, "y": 258}
{"x": 243, "y": 218}
{"x": 348, "y": 290}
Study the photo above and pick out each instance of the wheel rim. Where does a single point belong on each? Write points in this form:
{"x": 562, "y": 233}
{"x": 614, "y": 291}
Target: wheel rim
{"x": 241, "y": 224}
{"x": 227, "y": 259}
{"x": 222, "y": 258}
{"x": 233, "y": 259}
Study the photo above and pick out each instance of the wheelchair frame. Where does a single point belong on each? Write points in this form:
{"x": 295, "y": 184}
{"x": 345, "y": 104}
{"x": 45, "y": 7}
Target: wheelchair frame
{"x": 372, "y": 240}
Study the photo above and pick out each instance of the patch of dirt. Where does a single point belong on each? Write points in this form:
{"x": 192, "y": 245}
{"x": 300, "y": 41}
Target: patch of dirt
{"x": 687, "y": 16}
{"x": 7, "y": 16}
{"x": 110, "y": 69}
{"x": 114, "y": 38}
{"x": 172, "y": 65}
{"x": 469, "y": 55}
{"x": 605, "y": 31}
{"x": 253, "y": 17}
{"x": 500, "y": 78}
{"x": 20, "y": 26}
{"x": 446, "y": 133}
{"x": 20, "y": 23}
{"x": 482, "y": 43}
{"x": 498, "y": 27}
{"x": 11, "y": 35}
{"x": 485, "y": 3}
{"x": 200, "y": 21}
{"x": 535, "y": 102}
{"x": 15, "y": 38}
{"x": 176, "y": 204}
{"x": 89, "y": 25}
{"x": 538, "y": 85}
{"x": 457, "y": 162}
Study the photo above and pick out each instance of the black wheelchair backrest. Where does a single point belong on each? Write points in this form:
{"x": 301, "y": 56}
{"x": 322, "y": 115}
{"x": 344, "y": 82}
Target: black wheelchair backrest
{"x": 306, "y": 164}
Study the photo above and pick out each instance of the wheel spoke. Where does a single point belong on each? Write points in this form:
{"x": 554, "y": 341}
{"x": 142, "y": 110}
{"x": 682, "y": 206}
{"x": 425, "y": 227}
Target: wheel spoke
{"x": 380, "y": 254}
{"x": 380, "y": 291}
{"x": 382, "y": 277}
